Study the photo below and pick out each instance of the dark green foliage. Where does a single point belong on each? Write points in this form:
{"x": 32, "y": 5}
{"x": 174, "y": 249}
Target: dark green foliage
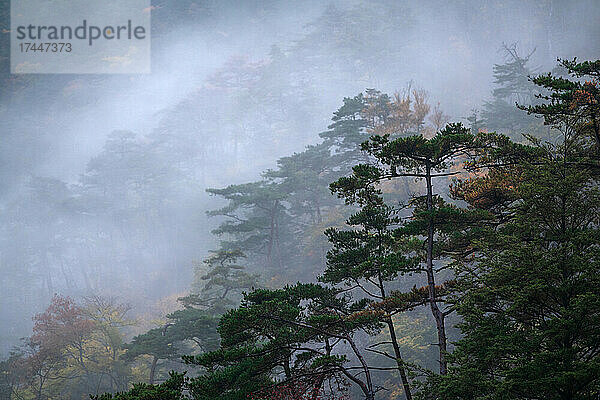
{"x": 219, "y": 288}
{"x": 155, "y": 342}
{"x": 255, "y": 221}
{"x": 528, "y": 296}
{"x": 304, "y": 177}
{"x": 572, "y": 102}
{"x": 436, "y": 227}
{"x": 163, "y": 343}
{"x": 187, "y": 324}
{"x": 526, "y": 261}
{"x": 171, "y": 389}
{"x": 370, "y": 250}
{"x": 223, "y": 283}
{"x": 273, "y": 219}
{"x": 529, "y": 303}
{"x": 369, "y": 257}
{"x": 277, "y": 336}
{"x": 347, "y": 132}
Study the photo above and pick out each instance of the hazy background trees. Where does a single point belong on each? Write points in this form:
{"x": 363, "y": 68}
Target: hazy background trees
{"x": 103, "y": 179}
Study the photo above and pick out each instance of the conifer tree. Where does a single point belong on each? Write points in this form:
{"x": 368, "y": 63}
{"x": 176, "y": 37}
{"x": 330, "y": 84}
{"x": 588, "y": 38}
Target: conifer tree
{"x": 255, "y": 220}
{"x": 285, "y": 336}
{"x": 219, "y": 282}
{"x": 220, "y": 289}
{"x": 572, "y": 103}
{"x": 512, "y": 85}
{"x": 528, "y": 296}
{"x": 367, "y": 258}
{"x": 433, "y": 219}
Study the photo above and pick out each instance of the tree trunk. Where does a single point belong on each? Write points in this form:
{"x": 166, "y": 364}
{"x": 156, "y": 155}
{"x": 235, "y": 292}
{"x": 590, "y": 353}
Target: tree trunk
{"x": 435, "y": 310}
{"x": 399, "y": 361}
{"x": 153, "y": 370}
{"x": 366, "y": 387}
{"x": 271, "y": 240}
{"x": 394, "y": 340}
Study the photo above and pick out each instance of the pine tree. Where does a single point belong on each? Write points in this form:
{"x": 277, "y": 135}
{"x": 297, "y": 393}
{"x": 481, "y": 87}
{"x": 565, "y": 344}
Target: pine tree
{"x": 528, "y": 297}
{"x": 426, "y": 159}
{"x": 347, "y": 132}
{"x": 528, "y": 300}
{"x": 219, "y": 282}
{"x": 285, "y": 336}
{"x": 366, "y": 258}
{"x": 512, "y": 86}
{"x": 255, "y": 220}
{"x": 572, "y": 105}
{"x": 171, "y": 389}
{"x": 218, "y": 288}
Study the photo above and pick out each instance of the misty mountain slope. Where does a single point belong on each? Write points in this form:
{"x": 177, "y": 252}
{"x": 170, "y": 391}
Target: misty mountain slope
{"x": 102, "y": 177}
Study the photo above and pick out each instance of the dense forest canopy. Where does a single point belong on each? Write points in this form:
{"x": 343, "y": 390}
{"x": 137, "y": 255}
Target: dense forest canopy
{"x": 350, "y": 200}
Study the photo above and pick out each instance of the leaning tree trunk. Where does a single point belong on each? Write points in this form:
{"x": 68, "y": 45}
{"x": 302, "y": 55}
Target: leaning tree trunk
{"x": 438, "y": 315}
{"x": 367, "y": 386}
{"x": 399, "y": 361}
{"x": 153, "y": 370}
{"x": 394, "y": 340}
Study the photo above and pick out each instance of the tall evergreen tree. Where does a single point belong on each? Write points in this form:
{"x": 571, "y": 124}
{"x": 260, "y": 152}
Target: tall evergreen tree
{"x": 367, "y": 258}
{"x": 220, "y": 282}
{"x": 529, "y": 300}
{"x": 528, "y": 297}
{"x": 255, "y": 220}
{"x": 286, "y": 336}
{"x": 218, "y": 288}
{"x": 512, "y": 85}
{"x": 572, "y": 103}
{"x": 427, "y": 159}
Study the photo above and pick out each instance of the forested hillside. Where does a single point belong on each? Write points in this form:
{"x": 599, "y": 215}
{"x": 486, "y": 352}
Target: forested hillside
{"x": 354, "y": 200}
